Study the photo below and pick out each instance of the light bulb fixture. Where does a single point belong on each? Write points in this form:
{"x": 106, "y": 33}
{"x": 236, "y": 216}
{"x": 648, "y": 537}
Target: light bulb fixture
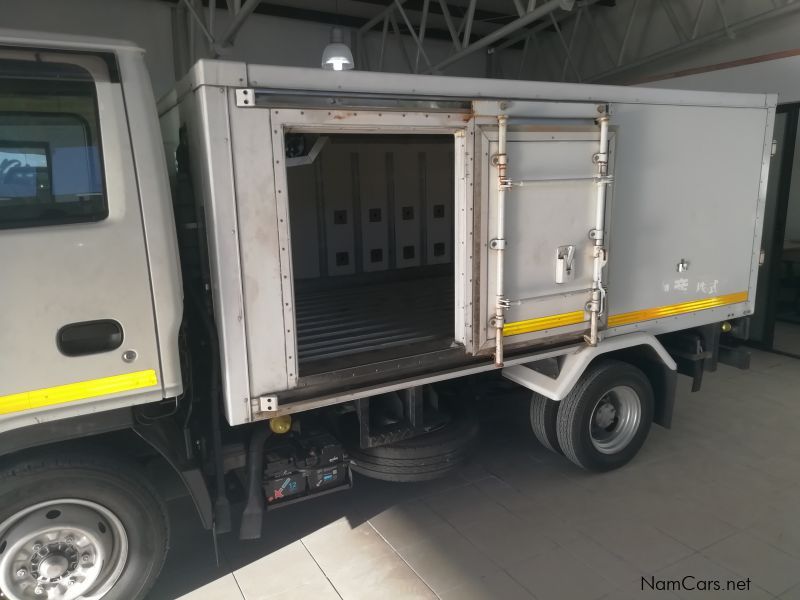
{"x": 337, "y": 56}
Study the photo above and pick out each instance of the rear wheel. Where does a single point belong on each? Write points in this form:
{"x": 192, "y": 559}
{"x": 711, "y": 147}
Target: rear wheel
{"x": 544, "y": 421}
{"x": 79, "y": 526}
{"x": 604, "y": 421}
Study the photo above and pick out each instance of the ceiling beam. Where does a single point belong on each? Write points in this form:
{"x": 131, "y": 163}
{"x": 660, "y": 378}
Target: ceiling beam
{"x": 455, "y": 10}
{"x": 328, "y": 18}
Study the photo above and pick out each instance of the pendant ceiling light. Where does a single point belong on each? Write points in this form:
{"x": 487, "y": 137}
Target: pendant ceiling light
{"x": 337, "y": 56}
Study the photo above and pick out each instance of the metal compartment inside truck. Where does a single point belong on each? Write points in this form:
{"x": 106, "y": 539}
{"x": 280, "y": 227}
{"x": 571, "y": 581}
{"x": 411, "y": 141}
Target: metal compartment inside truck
{"x": 371, "y": 219}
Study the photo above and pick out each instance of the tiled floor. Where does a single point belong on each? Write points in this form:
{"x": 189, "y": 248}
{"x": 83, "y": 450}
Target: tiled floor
{"x": 715, "y": 498}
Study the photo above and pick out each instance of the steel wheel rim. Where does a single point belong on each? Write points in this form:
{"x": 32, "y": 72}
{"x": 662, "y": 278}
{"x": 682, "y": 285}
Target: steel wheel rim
{"x": 61, "y": 549}
{"x": 615, "y": 419}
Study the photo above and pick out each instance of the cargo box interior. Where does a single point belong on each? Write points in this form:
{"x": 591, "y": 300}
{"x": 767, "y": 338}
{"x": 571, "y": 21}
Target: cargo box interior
{"x": 372, "y": 246}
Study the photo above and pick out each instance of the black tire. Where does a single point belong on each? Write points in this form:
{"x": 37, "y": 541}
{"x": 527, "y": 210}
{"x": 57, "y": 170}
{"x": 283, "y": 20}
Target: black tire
{"x": 119, "y": 486}
{"x": 544, "y": 416}
{"x": 577, "y": 411}
{"x": 422, "y": 458}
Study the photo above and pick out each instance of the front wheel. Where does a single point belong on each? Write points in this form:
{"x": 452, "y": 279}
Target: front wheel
{"x": 604, "y": 421}
{"x": 79, "y": 526}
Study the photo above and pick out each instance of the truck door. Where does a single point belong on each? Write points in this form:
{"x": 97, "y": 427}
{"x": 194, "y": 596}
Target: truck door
{"x": 544, "y": 174}
{"x": 76, "y": 315}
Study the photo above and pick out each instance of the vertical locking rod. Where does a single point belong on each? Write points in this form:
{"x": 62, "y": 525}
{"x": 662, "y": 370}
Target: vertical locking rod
{"x": 596, "y": 304}
{"x": 499, "y": 241}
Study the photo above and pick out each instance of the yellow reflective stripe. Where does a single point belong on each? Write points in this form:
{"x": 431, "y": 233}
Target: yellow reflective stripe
{"x": 77, "y": 391}
{"x": 671, "y": 310}
{"x": 541, "y": 323}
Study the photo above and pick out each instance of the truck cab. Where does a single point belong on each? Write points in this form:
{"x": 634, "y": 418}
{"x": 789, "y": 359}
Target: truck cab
{"x": 94, "y": 286}
{"x": 91, "y": 310}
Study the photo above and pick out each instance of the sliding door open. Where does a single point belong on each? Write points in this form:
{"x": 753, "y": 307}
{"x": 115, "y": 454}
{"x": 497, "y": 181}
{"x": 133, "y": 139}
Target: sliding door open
{"x": 374, "y": 203}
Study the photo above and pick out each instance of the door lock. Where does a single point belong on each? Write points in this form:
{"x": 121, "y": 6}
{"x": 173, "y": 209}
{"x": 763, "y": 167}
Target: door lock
{"x": 565, "y": 264}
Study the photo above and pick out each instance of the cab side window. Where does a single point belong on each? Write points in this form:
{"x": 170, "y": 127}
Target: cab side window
{"x": 51, "y": 170}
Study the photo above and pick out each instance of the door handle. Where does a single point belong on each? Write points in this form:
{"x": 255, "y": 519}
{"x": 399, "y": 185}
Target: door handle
{"x": 565, "y": 264}
{"x": 89, "y": 337}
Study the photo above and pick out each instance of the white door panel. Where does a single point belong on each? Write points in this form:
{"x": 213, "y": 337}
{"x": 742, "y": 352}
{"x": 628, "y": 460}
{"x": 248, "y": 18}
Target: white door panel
{"x": 542, "y": 218}
{"x": 57, "y": 274}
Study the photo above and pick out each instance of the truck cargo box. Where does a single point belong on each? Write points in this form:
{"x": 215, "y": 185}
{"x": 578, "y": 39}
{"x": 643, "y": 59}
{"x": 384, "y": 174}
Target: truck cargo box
{"x": 365, "y": 230}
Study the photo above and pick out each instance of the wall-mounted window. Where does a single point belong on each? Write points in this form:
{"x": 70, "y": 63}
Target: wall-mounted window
{"x": 51, "y": 169}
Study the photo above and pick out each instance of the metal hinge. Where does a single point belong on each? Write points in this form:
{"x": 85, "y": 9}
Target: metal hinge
{"x": 245, "y": 97}
{"x": 774, "y": 149}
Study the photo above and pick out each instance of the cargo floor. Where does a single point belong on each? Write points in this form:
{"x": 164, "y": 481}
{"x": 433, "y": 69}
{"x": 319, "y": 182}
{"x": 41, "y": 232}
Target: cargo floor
{"x": 350, "y": 325}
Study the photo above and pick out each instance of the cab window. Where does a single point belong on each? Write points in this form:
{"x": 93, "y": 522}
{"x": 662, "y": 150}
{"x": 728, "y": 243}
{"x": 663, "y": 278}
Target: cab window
{"x": 51, "y": 170}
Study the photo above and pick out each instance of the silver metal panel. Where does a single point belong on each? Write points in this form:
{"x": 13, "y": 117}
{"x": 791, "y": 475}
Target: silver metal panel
{"x": 60, "y": 274}
{"x": 464, "y": 258}
{"x": 760, "y": 221}
{"x": 291, "y": 78}
{"x": 688, "y": 187}
{"x": 260, "y": 249}
{"x": 521, "y": 109}
{"x": 544, "y": 217}
{"x": 212, "y": 171}
{"x": 685, "y": 185}
{"x": 745, "y": 203}
{"x": 37, "y": 39}
{"x": 157, "y": 215}
{"x": 406, "y": 382}
{"x": 281, "y": 199}
{"x": 539, "y": 219}
{"x": 223, "y": 73}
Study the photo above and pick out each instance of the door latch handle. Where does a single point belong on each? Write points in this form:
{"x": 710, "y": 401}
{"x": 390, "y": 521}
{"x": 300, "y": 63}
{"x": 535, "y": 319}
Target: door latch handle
{"x": 89, "y": 337}
{"x": 565, "y": 263}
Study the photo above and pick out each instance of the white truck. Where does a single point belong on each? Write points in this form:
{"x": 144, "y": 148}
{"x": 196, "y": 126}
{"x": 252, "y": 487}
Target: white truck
{"x": 292, "y": 275}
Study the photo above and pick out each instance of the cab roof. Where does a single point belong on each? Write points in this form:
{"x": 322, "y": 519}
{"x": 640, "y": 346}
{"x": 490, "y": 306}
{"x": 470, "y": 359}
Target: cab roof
{"x": 48, "y": 39}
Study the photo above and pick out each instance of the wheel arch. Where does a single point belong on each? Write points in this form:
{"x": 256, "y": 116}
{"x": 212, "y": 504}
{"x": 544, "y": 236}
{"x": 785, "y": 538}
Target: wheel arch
{"x": 639, "y": 349}
{"x": 662, "y": 378}
{"x": 118, "y": 432}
